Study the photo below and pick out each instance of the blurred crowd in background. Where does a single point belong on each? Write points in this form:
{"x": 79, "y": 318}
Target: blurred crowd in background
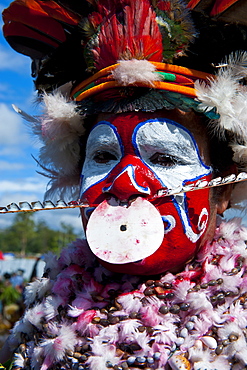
{"x": 11, "y": 301}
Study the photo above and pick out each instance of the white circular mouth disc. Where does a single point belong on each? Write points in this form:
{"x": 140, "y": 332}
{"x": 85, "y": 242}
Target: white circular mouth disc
{"x": 119, "y": 234}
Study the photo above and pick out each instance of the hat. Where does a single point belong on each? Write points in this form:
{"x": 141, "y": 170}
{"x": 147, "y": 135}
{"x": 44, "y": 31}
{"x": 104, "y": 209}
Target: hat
{"x": 96, "y": 56}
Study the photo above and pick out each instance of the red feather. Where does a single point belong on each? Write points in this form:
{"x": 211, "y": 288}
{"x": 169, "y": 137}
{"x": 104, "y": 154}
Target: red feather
{"x": 221, "y": 5}
{"x": 33, "y": 17}
{"x": 218, "y": 6}
{"x": 34, "y": 40}
{"x": 120, "y": 39}
{"x": 58, "y": 12}
{"x": 193, "y": 3}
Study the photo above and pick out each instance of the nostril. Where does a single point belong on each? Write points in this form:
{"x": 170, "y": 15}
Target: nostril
{"x": 109, "y": 196}
{"x": 135, "y": 196}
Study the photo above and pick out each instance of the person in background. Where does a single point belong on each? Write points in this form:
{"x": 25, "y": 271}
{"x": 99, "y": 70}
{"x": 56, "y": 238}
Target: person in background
{"x": 17, "y": 279}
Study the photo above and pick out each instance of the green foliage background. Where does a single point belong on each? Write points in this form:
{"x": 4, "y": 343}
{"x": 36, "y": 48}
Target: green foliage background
{"x": 28, "y": 237}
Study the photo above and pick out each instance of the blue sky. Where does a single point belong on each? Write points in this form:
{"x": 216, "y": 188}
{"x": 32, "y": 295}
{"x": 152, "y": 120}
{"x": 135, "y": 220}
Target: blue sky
{"x": 18, "y": 178}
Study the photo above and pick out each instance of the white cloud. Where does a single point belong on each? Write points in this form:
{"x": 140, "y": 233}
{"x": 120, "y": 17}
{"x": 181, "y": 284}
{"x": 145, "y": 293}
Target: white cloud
{"x": 22, "y": 185}
{"x": 8, "y": 166}
{"x": 12, "y": 61}
{"x": 11, "y": 128}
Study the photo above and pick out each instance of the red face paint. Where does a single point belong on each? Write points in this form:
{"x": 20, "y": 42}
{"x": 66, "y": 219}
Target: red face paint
{"x": 130, "y": 156}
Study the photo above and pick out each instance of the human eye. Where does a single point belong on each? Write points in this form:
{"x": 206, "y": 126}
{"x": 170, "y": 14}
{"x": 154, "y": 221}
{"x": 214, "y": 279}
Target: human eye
{"x": 103, "y": 156}
{"x": 163, "y": 160}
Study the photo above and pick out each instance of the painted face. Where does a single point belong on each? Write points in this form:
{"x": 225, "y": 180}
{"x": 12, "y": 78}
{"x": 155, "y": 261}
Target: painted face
{"x": 129, "y": 158}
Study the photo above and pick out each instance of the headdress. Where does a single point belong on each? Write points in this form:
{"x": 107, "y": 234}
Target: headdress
{"x": 97, "y": 56}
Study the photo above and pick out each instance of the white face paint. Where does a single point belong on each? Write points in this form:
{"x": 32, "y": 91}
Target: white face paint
{"x": 164, "y": 146}
{"x": 169, "y": 151}
{"x": 102, "y": 139}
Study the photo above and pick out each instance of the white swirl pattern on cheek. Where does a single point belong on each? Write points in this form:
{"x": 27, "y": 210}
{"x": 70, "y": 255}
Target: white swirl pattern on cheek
{"x": 170, "y": 221}
{"x": 103, "y": 137}
{"x": 179, "y": 203}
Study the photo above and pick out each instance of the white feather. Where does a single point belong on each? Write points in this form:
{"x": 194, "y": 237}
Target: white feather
{"x": 59, "y": 128}
{"x": 19, "y": 360}
{"x": 34, "y": 315}
{"x": 226, "y": 95}
{"x": 132, "y": 71}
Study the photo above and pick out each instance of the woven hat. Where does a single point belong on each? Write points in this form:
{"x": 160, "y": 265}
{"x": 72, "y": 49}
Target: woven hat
{"x": 93, "y": 56}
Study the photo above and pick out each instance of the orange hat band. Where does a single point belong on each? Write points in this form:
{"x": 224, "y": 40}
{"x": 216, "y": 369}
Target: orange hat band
{"x": 175, "y": 79}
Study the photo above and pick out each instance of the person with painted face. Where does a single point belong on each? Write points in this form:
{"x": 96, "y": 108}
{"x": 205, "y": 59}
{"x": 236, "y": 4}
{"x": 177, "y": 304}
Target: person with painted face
{"x": 150, "y": 140}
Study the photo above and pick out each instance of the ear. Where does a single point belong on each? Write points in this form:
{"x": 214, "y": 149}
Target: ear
{"x": 224, "y": 199}
{"x": 225, "y": 193}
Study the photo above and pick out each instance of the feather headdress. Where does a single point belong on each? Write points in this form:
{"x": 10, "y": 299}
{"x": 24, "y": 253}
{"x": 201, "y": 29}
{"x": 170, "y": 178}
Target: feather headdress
{"x": 92, "y": 56}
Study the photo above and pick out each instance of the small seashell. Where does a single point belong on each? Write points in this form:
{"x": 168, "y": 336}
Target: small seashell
{"x": 184, "y": 306}
{"x": 209, "y": 342}
{"x": 201, "y": 184}
{"x": 179, "y": 362}
{"x": 174, "y": 309}
{"x": 77, "y": 354}
{"x": 184, "y": 332}
{"x": 173, "y": 347}
{"x": 229, "y": 178}
{"x": 131, "y": 360}
{"x": 190, "y": 325}
{"x": 162, "y": 192}
{"x": 219, "y": 349}
{"x": 176, "y": 190}
{"x": 233, "y": 337}
{"x": 180, "y": 341}
{"x": 157, "y": 355}
{"x": 150, "y": 360}
{"x": 124, "y": 365}
{"x": 215, "y": 181}
{"x": 188, "y": 187}
{"x": 193, "y": 318}
{"x": 141, "y": 359}
{"x": 164, "y": 309}
{"x": 241, "y": 176}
